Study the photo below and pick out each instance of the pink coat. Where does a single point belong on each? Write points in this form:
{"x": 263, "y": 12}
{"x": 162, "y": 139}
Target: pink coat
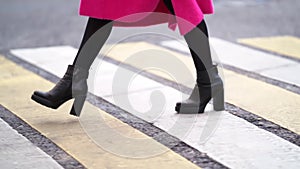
{"x": 189, "y": 13}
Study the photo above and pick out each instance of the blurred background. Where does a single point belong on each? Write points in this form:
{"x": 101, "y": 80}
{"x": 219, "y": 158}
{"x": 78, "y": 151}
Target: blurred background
{"x": 34, "y": 23}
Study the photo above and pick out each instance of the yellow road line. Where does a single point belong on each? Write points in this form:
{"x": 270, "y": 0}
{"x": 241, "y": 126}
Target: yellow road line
{"x": 268, "y": 101}
{"x": 16, "y": 87}
{"x": 284, "y": 45}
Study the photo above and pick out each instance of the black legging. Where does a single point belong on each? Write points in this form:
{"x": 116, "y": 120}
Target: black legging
{"x": 198, "y": 43}
{"x": 85, "y": 58}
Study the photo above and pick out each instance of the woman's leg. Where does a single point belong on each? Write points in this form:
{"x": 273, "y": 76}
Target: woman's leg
{"x": 85, "y": 58}
{"x": 197, "y": 42}
{"x": 199, "y": 47}
{"x": 209, "y": 84}
{"x": 73, "y": 84}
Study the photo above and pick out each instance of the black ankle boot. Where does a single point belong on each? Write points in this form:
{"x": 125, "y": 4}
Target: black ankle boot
{"x": 72, "y": 85}
{"x": 209, "y": 86}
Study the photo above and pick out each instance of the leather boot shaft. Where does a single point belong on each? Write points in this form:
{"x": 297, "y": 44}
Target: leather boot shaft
{"x": 79, "y": 81}
{"x": 209, "y": 77}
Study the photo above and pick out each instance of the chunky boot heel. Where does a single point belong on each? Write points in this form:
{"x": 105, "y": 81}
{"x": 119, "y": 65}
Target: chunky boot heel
{"x": 218, "y": 101}
{"x": 77, "y": 105}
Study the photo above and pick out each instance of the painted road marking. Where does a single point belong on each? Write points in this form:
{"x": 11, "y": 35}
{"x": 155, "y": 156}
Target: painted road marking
{"x": 244, "y": 58}
{"x": 69, "y": 132}
{"x": 18, "y": 152}
{"x": 264, "y": 99}
{"x": 239, "y": 144}
{"x": 283, "y": 45}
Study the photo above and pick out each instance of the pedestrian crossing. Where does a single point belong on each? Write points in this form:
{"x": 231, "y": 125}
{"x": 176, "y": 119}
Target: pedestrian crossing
{"x": 67, "y": 131}
{"x": 247, "y": 93}
{"x": 230, "y": 140}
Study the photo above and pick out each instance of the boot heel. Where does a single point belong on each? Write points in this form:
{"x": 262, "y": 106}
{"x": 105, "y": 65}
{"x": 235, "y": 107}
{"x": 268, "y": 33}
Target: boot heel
{"x": 218, "y": 101}
{"x": 77, "y": 105}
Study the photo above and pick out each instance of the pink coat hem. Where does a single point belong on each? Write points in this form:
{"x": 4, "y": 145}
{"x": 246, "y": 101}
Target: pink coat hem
{"x": 188, "y": 13}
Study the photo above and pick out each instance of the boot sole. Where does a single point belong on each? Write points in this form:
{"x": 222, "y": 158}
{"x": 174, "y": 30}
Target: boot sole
{"x": 193, "y": 108}
{"x": 187, "y": 109}
{"x": 44, "y": 102}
